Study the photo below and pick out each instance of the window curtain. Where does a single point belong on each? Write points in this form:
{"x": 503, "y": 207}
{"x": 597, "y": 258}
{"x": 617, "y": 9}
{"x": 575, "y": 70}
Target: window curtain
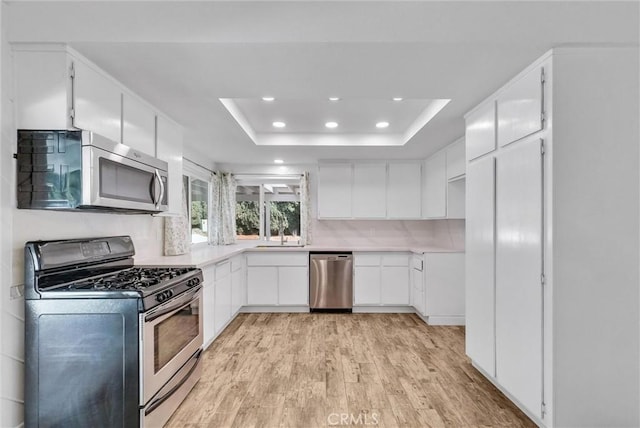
{"x": 223, "y": 208}
{"x": 305, "y": 210}
{"x": 177, "y": 230}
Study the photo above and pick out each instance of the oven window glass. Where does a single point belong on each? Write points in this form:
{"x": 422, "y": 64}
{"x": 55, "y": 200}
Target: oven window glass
{"x": 118, "y": 181}
{"x": 174, "y": 333}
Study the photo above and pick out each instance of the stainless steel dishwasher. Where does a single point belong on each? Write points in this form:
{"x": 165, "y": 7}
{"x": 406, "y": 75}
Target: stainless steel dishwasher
{"x": 331, "y": 282}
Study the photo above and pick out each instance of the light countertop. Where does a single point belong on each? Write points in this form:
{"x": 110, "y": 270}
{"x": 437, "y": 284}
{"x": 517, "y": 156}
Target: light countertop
{"x": 211, "y": 254}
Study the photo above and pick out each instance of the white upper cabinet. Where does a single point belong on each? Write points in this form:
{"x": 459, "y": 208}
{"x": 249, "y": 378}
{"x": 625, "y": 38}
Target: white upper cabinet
{"x": 169, "y": 149}
{"x": 520, "y": 107}
{"x": 38, "y": 73}
{"x": 138, "y": 124}
{"x": 435, "y": 186}
{"x": 97, "y": 102}
{"x": 480, "y": 134}
{"x": 403, "y": 190}
{"x": 334, "y": 190}
{"x": 455, "y": 160}
{"x": 369, "y": 183}
{"x": 57, "y": 88}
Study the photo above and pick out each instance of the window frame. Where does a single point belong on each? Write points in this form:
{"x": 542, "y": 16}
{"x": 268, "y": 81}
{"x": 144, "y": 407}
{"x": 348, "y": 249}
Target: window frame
{"x": 194, "y": 172}
{"x": 260, "y": 182}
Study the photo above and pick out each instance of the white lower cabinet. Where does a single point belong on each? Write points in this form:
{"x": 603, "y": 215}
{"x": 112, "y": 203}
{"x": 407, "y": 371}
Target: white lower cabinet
{"x": 224, "y": 293}
{"x": 444, "y": 288}
{"x": 366, "y": 283}
{"x": 278, "y": 279}
{"x": 381, "y": 279}
{"x": 417, "y": 284}
{"x": 222, "y": 290}
{"x": 262, "y": 285}
{"x": 208, "y": 303}
{"x": 238, "y": 284}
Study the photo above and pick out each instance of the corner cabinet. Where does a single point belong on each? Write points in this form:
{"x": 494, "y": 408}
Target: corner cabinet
{"x": 57, "y": 88}
{"x": 444, "y": 183}
{"x": 552, "y": 238}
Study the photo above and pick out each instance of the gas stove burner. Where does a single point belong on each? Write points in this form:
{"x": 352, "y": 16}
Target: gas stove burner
{"x": 136, "y": 278}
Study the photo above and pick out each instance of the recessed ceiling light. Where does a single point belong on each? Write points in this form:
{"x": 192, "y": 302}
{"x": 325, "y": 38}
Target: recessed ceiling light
{"x": 334, "y": 99}
{"x": 268, "y": 98}
{"x": 278, "y": 161}
{"x": 397, "y": 99}
{"x": 382, "y": 125}
{"x": 279, "y": 124}
{"x": 331, "y": 125}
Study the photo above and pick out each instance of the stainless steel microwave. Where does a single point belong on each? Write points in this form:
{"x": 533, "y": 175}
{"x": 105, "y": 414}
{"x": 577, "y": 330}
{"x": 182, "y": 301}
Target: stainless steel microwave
{"x": 80, "y": 170}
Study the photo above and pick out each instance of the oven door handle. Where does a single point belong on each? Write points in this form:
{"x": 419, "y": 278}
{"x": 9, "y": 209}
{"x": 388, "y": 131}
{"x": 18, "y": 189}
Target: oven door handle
{"x": 163, "y": 397}
{"x": 184, "y": 300}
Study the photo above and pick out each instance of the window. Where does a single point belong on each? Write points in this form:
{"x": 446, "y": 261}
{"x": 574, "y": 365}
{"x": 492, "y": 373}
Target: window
{"x": 269, "y": 210}
{"x": 198, "y": 190}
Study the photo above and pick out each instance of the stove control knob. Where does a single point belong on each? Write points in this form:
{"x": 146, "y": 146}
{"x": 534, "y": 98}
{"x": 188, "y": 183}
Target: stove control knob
{"x": 169, "y": 294}
{"x": 193, "y": 282}
{"x": 160, "y": 297}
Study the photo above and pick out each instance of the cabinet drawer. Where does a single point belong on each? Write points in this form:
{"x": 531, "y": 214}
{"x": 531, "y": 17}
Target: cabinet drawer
{"x": 366, "y": 259}
{"x": 278, "y": 259}
{"x": 223, "y": 269}
{"x": 395, "y": 260}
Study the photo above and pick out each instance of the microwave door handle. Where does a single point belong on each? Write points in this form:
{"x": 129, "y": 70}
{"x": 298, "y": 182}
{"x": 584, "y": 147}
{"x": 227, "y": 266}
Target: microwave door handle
{"x": 162, "y": 189}
{"x": 156, "y": 179}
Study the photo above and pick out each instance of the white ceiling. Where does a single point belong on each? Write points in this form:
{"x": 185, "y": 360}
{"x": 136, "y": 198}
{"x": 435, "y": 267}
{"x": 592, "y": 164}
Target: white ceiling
{"x": 184, "y": 56}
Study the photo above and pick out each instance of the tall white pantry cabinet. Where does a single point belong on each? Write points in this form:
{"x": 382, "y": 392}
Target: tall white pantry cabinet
{"x": 552, "y": 238}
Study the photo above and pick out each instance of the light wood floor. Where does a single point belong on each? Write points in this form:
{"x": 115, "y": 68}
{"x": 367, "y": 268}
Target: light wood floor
{"x": 319, "y": 370}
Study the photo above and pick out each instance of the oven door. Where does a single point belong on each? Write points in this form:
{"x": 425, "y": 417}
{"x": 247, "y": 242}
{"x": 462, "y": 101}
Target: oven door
{"x": 172, "y": 334}
{"x": 120, "y": 182}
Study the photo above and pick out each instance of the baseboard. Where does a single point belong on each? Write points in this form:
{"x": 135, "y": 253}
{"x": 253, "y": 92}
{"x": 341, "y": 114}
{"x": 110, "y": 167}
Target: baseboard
{"x": 445, "y": 320}
{"x": 274, "y": 309}
{"x": 383, "y": 309}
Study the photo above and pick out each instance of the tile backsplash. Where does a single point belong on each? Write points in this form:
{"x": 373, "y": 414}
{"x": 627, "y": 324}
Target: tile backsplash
{"x": 390, "y": 233}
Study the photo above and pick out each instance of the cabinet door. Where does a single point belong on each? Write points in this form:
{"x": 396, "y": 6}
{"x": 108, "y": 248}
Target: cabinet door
{"x": 42, "y": 86}
{"x": 444, "y": 285}
{"x": 435, "y": 186}
{"x": 369, "y": 196}
{"x": 334, "y": 191}
{"x": 238, "y": 294}
{"x": 417, "y": 296}
{"x": 222, "y": 311}
{"x": 479, "y": 263}
{"x": 293, "y": 286}
{"x": 520, "y": 108}
{"x": 366, "y": 283}
{"x": 262, "y": 285}
{"x": 394, "y": 287}
{"x": 138, "y": 125}
{"x": 480, "y": 134}
{"x": 208, "y": 303}
{"x": 519, "y": 309}
{"x": 404, "y": 190}
{"x": 97, "y": 102}
{"x": 455, "y": 159}
{"x": 456, "y": 190}
{"x": 169, "y": 149}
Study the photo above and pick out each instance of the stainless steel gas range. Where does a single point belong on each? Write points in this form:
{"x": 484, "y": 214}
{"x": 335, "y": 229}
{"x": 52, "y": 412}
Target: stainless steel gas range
{"x": 106, "y": 343}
